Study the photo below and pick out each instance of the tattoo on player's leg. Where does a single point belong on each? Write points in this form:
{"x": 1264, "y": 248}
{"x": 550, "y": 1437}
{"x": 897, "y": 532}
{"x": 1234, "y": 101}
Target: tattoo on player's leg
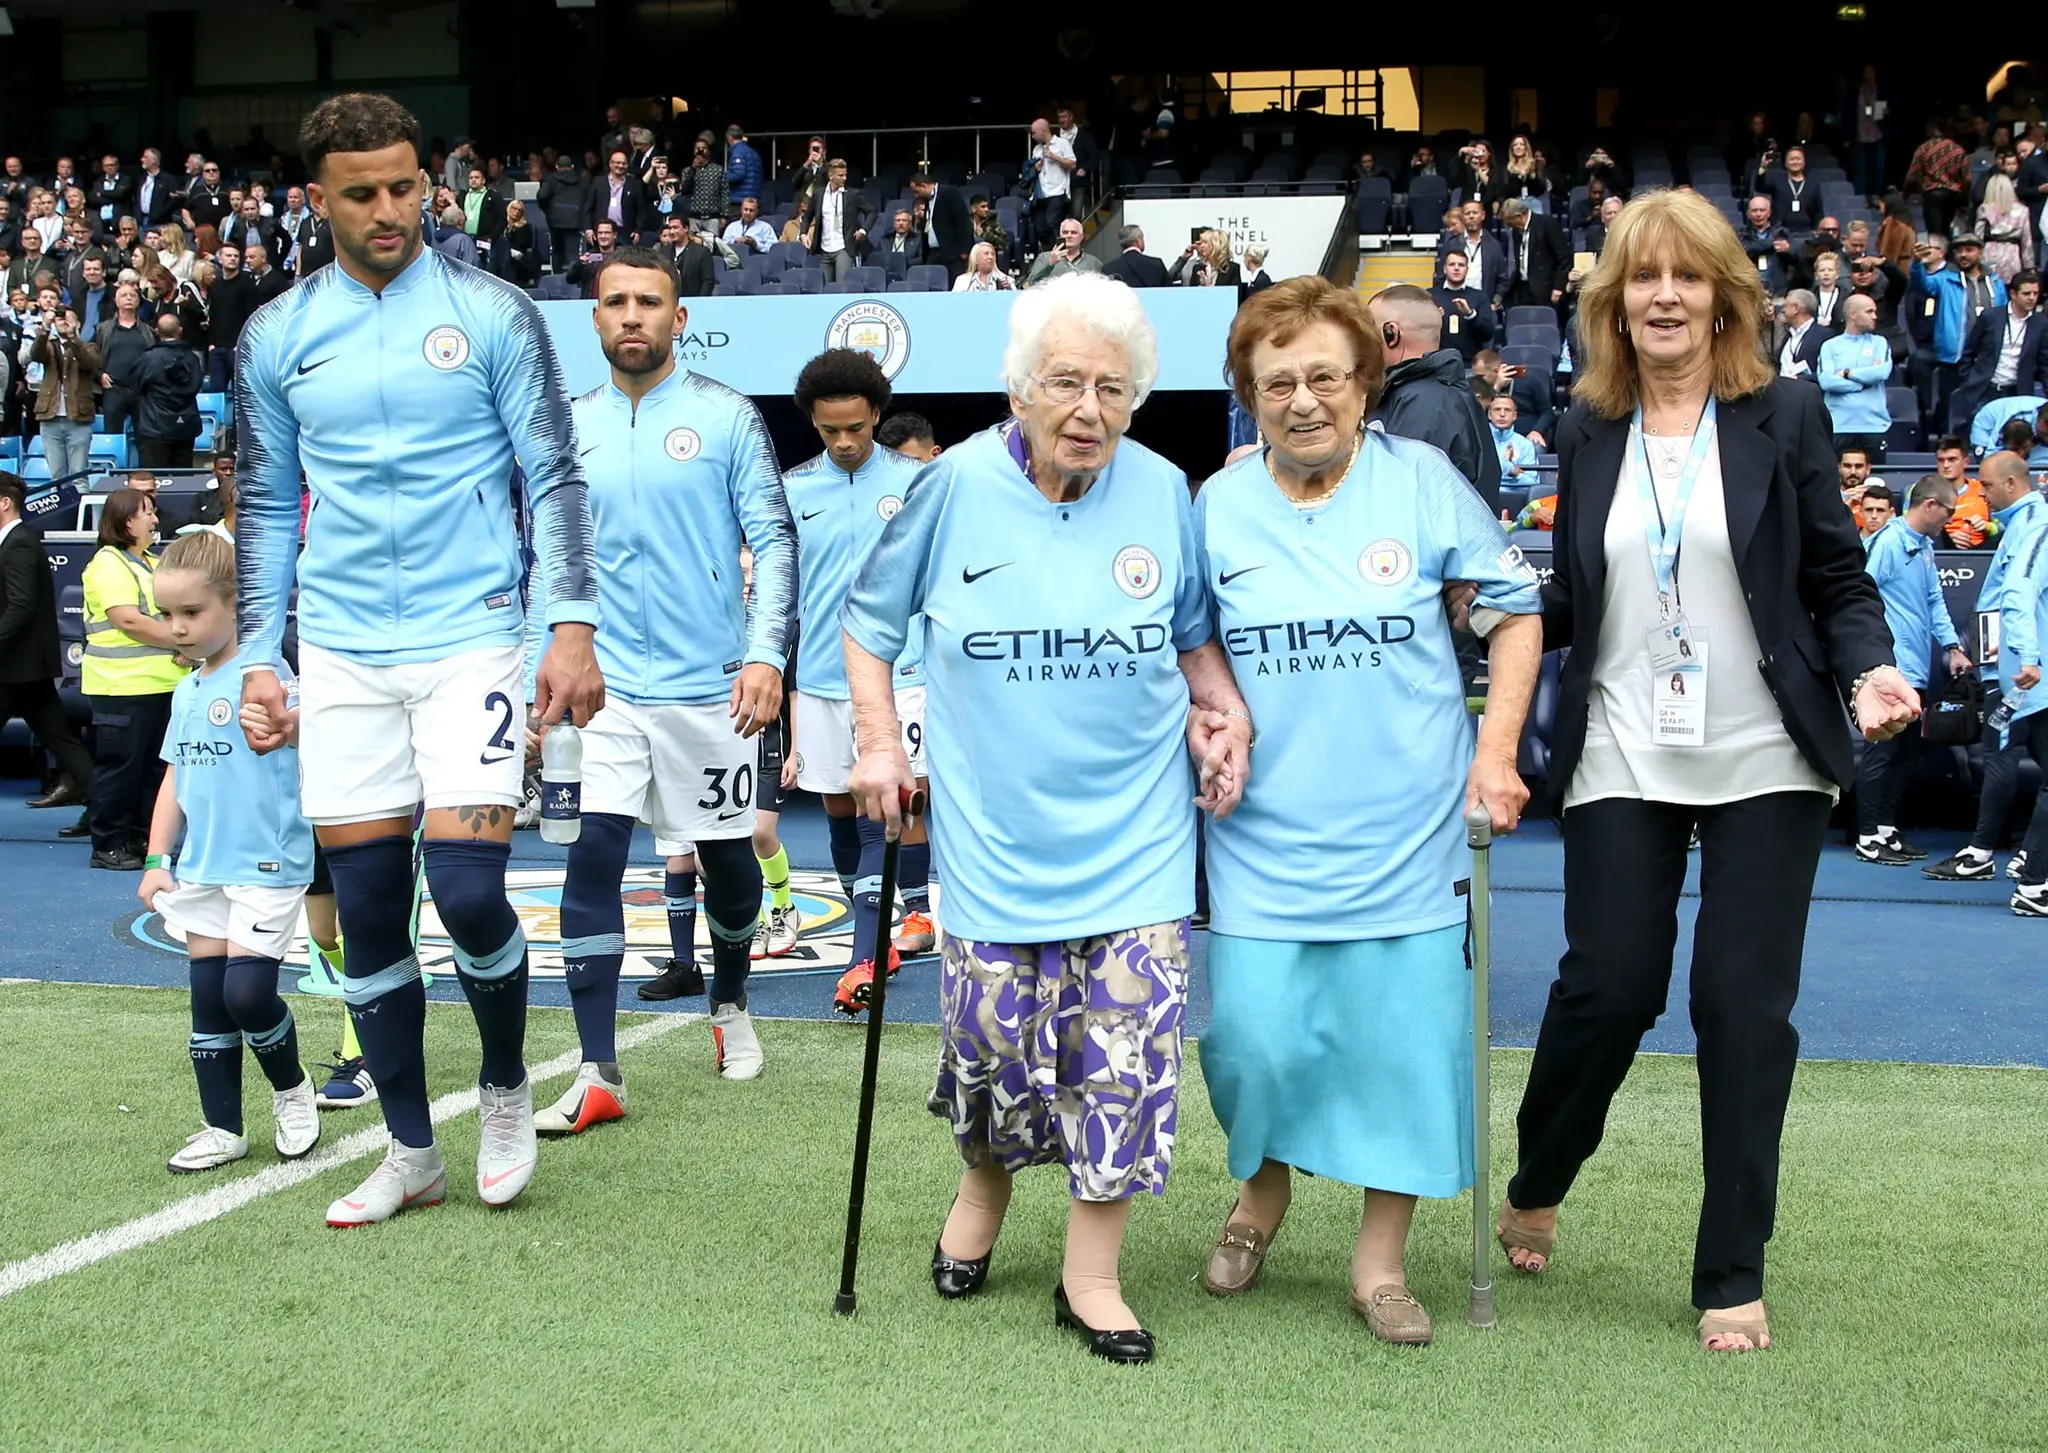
{"x": 483, "y": 821}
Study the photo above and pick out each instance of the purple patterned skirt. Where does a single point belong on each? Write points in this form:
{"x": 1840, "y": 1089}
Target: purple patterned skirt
{"x": 1066, "y": 1052}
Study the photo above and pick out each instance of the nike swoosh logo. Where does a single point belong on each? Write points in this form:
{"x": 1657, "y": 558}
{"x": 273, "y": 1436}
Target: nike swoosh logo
{"x": 490, "y": 761}
{"x": 306, "y": 368}
{"x": 1226, "y": 579}
{"x": 729, "y": 816}
{"x": 586, "y": 453}
{"x": 968, "y": 577}
{"x": 487, "y": 1182}
{"x": 813, "y": 514}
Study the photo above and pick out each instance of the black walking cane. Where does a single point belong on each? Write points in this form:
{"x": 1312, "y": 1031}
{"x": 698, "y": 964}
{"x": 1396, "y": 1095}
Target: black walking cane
{"x": 913, "y": 805}
{"x": 1479, "y": 836}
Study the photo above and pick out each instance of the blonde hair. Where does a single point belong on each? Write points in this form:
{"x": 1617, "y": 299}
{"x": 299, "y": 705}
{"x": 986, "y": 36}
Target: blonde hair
{"x": 1999, "y": 196}
{"x": 173, "y": 239}
{"x": 206, "y": 555}
{"x": 1219, "y": 248}
{"x": 1255, "y": 257}
{"x": 1833, "y": 257}
{"x": 515, "y": 212}
{"x": 1684, "y": 230}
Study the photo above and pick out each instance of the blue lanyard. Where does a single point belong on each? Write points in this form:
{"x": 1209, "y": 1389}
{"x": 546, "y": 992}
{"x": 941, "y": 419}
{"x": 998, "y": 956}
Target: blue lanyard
{"x": 1662, "y": 535}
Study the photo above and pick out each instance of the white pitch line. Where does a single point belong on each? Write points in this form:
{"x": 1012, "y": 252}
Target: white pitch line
{"x": 212, "y": 1205}
{"x": 5, "y": 982}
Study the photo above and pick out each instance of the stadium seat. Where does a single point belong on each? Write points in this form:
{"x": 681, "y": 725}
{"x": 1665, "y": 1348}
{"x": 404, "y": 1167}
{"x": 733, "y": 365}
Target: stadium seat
{"x": 35, "y": 448}
{"x": 1531, "y": 316}
{"x": 745, "y": 281}
{"x": 1373, "y": 215}
{"x": 841, "y": 288}
{"x": 1535, "y": 335}
{"x": 1902, "y": 403}
{"x": 1536, "y": 359}
{"x": 1428, "y": 199}
{"x": 35, "y": 470}
{"x": 896, "y": 265}
{"x": 556, "y": 288}
{"x": 1904, "y": 434}
{"x": 110, "y": 450}
{"x": 903, "y": 285}
{"x": 725, "y": 290}
{"x": 769, "y": 288}
{"x": 868, "y": 279}
{"x": 804, "y": 279}
{"x": 10, "y": 449}
{"x": 1162, "y": 176}
{"x": 930, "y": 276}
{"x": 785, "y": 255}
{"x": 1541, "y": 722}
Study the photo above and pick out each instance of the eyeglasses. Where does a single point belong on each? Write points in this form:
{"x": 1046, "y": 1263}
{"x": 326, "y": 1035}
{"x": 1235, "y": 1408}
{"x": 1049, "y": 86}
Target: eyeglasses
{"x": 1062, "y": 389}
{"x": 1324, "y": 383}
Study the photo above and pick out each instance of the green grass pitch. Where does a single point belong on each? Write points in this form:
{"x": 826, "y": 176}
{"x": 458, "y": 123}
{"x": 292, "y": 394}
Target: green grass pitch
{"x": 667, "y": 1281}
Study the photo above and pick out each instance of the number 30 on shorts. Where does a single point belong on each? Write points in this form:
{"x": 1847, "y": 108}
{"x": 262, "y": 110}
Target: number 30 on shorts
{"x": 725, "y": 786}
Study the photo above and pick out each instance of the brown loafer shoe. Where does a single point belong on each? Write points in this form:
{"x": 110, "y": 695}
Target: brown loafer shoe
{"x": 1236, "y": 1259}
{"x": 1393, "y": 1315}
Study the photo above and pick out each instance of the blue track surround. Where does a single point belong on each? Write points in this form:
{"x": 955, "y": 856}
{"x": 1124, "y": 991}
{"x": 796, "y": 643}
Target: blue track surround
{"x": 1897, "y": 967}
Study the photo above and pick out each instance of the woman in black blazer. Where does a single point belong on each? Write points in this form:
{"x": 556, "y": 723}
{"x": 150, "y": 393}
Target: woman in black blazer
{"x": 1711, "y": 588}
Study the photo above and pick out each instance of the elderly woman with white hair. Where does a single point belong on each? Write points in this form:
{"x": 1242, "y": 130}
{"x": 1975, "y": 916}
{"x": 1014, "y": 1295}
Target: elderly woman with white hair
{"x": 1072, "y": 664}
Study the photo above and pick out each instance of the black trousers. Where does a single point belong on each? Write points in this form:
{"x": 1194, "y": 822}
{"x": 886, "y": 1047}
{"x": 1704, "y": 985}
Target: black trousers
{"x": 1624, "y": 865}
{"x": 117, "y": 407}
{"x": 163, "y": 453}
{"x": 37, "y": 703}
{"x": 2001, "y": 768}
{"x": 1938, "y": 208}
{"x": 1881, "y": 779}
{"x": 2035, "y": 729}
{"x": 128, "y": 734}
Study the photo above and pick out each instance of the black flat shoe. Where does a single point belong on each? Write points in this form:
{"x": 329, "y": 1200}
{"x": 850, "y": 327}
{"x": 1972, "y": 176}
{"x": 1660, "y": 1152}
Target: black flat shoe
{"x": 678, "y": 979}
{"x": 78, "y": 829}
{"x": 64, "y": 794}
{"x": 1132, "y": 1345}
{"x": 954, "y": 1277}
{"x": 121, "y": 862}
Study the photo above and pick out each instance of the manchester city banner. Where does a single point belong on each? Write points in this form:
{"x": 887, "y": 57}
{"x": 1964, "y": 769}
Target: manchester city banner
{"x": 940, "y": 343}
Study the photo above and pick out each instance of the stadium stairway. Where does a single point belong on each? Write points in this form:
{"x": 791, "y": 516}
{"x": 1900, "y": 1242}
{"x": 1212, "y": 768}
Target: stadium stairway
{"x": 1384, "y": 269}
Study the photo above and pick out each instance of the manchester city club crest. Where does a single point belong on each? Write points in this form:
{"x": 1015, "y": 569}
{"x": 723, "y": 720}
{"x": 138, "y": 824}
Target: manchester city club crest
{"x": 1136, "y": 571}
{"x": 447, "y": 348}
{"x": 887, "y": 506}
{"x": 1386, "y": 562}
{"x": 219, "y": 711}
{"x": 682, "y": 445}
{"x": 825, "y": 941}
{"x": 876, "y": 329}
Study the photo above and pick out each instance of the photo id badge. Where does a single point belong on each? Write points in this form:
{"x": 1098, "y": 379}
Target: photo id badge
{"x": 1678, "y": 700}
{"x": 1672, "y": 647}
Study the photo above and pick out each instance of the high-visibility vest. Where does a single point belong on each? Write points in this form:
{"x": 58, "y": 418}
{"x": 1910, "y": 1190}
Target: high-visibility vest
{"x": 115, "y": 663}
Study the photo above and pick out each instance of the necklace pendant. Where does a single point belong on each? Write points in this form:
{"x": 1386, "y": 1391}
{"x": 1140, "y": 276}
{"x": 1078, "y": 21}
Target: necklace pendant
{"x": 1668, "y": 466}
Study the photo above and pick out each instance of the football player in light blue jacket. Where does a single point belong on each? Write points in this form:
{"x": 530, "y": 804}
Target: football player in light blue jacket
{"x": 404, "y": 387}
{"x": 680, "y": 471}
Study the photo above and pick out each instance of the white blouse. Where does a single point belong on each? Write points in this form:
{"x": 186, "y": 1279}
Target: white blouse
{"x": 1747, "y": 750}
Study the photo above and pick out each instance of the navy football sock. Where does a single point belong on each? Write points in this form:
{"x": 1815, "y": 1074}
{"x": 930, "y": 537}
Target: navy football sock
{"x": 467, "y": 880}
{"x": 732, "y": 903}
{"x": 373, "y": 894}
{"x": 216, "y": 1047}
{"x": 867, "y": 892}
{"x": 915, "y": 868}
{"x": 844, "y": 833}
{"x": 594, "y": 930}
{"x": 680, "y": 892}
{"x": 265, "y": 1020}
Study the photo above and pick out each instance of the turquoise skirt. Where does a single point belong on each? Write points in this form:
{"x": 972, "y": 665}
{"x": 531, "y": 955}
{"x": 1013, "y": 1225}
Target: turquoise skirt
{"x": 1351, "y": 1061}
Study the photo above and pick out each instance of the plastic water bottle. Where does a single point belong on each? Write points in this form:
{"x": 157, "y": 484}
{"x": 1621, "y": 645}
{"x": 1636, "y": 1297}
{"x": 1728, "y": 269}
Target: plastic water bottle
{"x": 561, "y": 784}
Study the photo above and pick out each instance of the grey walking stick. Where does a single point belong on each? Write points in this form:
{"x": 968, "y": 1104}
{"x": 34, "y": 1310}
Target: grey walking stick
{"x": 1479, "y": 834}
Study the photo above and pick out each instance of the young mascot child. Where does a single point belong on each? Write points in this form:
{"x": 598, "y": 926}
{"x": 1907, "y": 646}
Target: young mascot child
{"x": 241, "y": 875}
